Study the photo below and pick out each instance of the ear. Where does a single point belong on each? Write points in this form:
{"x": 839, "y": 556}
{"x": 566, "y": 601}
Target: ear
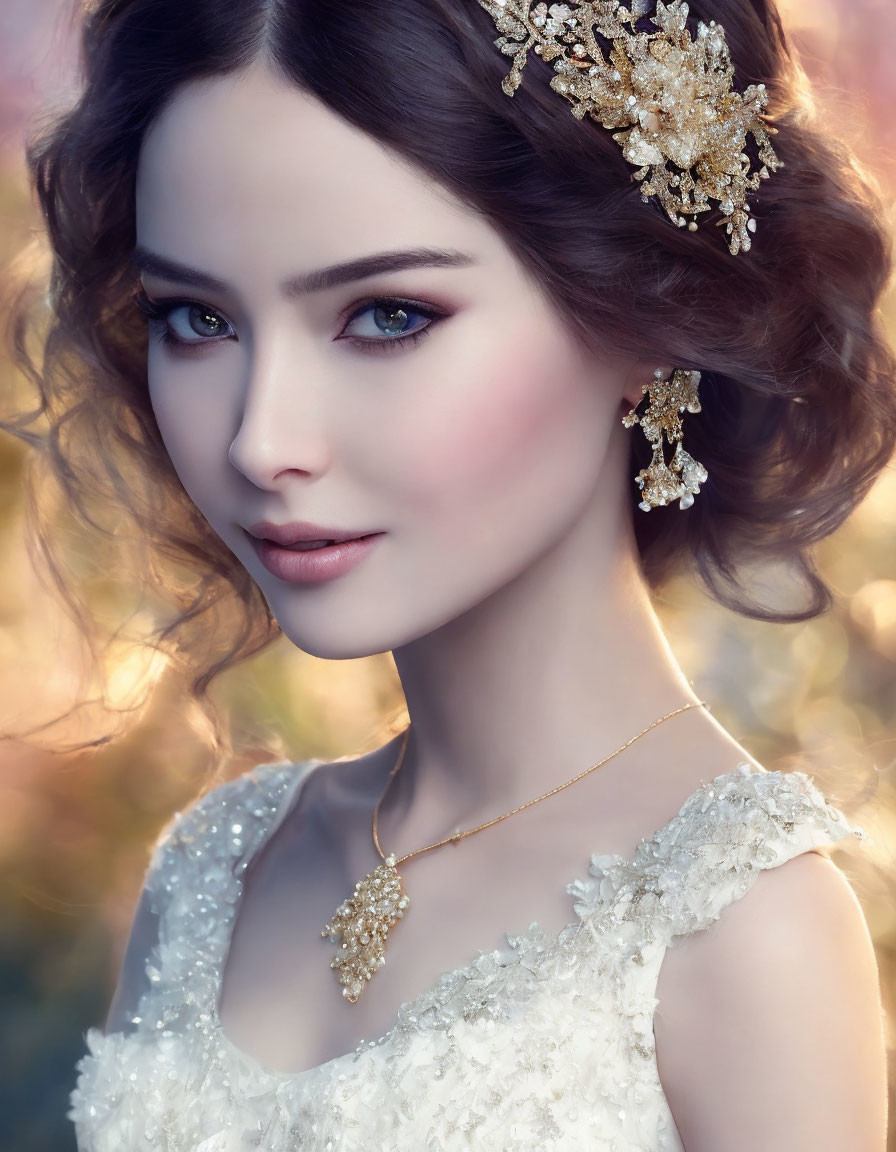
{"x": 641, "y": 373}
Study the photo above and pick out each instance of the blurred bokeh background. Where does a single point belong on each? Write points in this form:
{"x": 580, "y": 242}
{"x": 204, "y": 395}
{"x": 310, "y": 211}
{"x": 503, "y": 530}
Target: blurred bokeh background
{"x": 75, "y": 828}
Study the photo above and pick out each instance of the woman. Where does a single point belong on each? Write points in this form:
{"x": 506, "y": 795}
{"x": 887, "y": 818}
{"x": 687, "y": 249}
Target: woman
{"x": 289, "y": 190}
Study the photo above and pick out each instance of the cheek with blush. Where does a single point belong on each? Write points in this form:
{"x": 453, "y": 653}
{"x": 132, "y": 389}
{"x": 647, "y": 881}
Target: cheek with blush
{"x": 508, "y": 433}
{"x": 488, "y": 418}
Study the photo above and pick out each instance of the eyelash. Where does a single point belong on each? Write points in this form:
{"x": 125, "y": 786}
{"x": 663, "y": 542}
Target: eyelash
{"x": 157, "y": 312}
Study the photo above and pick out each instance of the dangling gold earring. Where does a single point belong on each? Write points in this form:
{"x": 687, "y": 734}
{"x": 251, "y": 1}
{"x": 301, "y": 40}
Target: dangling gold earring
{"x": 680, "y": 479}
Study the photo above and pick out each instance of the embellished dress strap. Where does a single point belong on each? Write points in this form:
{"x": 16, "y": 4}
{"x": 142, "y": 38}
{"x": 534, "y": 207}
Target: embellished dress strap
{"x": 194, "y": 877}
{"x": 138, "y": 1087}
{"x": 710, "y": 854}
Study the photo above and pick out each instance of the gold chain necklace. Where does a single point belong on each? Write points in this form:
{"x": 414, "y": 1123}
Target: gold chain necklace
{"x": 363, "y": 921}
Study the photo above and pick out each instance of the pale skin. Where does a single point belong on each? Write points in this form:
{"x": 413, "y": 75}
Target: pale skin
{"x": 493, "y": 456}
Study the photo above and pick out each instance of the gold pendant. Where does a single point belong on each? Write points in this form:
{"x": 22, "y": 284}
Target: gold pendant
{"x": 362, "y": 923}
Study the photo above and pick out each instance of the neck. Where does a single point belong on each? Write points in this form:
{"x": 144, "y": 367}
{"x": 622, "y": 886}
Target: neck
{"x": 532, "y": 686}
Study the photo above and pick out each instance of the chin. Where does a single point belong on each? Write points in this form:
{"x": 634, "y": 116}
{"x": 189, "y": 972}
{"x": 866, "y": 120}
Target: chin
{"x": 328, "y": 649}
{"x": 359, "y": 629}
{"x": 328, "y": 634}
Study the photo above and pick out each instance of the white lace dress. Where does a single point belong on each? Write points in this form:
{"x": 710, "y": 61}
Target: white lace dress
{"x": 546, "y": 1044}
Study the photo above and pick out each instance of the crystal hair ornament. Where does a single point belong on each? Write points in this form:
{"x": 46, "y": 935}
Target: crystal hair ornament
{"x": 680, "y": 479}
{"x": 680, "y": 120}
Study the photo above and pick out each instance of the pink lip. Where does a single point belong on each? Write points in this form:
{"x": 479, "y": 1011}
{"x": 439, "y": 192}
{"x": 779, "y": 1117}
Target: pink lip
{"x": 299, "y": 530}
{"x": 315, "y": 566}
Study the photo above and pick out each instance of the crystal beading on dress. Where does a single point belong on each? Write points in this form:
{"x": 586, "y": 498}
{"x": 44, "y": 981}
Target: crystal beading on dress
{"x": 547, "y": 1043}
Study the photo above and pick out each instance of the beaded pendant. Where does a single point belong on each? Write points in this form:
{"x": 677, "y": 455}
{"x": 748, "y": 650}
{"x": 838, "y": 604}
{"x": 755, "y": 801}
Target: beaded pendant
{"x": 362, "y": 923}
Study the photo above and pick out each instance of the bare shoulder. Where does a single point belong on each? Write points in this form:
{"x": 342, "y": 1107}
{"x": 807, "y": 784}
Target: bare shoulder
{"x": 769, "y": 1025}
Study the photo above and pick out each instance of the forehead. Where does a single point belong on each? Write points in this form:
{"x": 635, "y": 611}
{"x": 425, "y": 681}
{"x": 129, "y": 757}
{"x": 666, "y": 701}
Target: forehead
{"x": 249, "y": 158}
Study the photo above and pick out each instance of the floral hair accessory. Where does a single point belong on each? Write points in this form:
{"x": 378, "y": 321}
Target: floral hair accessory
{"x": 681, "y": 122}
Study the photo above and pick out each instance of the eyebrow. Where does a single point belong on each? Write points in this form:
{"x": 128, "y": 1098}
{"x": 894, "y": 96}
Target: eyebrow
{"x": 310, "y": 282}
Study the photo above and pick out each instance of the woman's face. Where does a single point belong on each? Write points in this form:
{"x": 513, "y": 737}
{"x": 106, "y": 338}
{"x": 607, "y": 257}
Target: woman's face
{"x": 447, "y": 406}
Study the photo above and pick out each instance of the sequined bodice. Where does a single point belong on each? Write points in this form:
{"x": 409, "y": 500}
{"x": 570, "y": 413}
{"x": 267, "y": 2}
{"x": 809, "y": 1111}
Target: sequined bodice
{"x": 547, "y": 1043}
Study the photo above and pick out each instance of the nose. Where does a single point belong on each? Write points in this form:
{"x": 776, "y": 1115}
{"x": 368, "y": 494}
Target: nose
{"x": 281, "y": 424}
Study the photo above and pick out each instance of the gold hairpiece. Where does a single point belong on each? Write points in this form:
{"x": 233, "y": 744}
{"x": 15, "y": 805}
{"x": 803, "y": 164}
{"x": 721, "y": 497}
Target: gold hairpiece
{"x": 683, "y": 124}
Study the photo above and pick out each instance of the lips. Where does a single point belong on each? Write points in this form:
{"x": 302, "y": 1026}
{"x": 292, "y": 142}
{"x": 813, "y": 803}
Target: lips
{"x": 302, "y": 535}
{"x": 303, "y": 563}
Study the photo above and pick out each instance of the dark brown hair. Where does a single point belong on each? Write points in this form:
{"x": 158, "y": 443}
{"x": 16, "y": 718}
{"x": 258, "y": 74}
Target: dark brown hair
{"x": 799, "y": 408}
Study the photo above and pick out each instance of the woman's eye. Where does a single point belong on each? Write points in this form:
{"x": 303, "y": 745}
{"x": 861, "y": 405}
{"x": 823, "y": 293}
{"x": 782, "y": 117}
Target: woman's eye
{"x": 387, "y": 323}
{"x": 184, "y": 321}
{"x": 191, "y": 321}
